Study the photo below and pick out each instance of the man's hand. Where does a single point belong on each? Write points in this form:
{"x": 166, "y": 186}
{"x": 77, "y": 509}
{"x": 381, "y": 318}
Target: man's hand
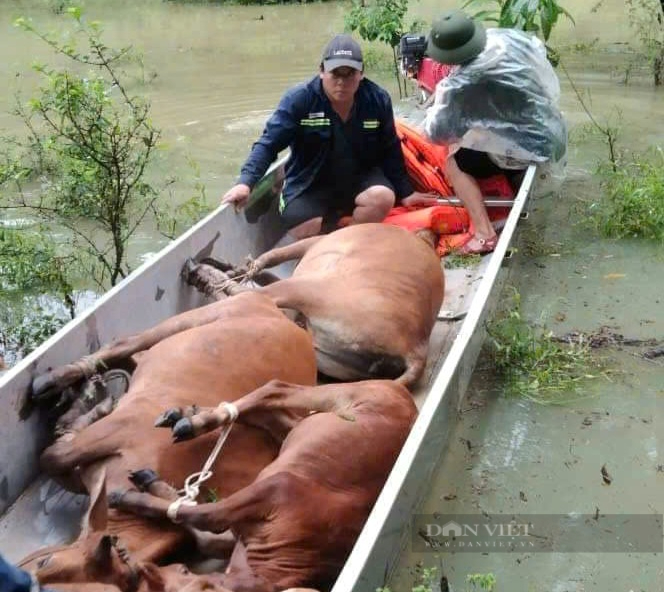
{"x": 237, "y": 195}
{"x": 417, "y": 198}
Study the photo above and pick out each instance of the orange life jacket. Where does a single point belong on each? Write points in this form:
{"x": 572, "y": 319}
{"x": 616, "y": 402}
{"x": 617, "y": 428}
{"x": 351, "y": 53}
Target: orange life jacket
{"x": 425, "y": 163}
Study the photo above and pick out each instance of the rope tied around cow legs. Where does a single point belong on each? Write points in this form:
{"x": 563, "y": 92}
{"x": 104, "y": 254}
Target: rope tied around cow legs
{"x": 90, "y": 365}
{"x": 192, "y": 484}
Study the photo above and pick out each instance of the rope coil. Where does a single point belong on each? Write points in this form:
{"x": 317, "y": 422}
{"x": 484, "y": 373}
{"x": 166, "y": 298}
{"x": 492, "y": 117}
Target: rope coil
{"x": 192, "y": 484}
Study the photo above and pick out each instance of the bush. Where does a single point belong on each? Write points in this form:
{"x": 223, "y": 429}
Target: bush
{"x": 633, "y": 203}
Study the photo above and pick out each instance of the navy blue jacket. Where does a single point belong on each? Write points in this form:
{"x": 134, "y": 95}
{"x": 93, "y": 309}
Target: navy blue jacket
{"x": 302, "y": 121}
{"x": 13, "y": 579}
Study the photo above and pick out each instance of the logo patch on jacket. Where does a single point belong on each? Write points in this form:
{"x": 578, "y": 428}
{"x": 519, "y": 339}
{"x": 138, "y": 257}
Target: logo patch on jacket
{"x": 370, "y": 124}
{"x": 316, "y": 119}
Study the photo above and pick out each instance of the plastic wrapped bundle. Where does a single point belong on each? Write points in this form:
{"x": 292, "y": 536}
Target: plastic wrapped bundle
{"x": 503, "y": 102}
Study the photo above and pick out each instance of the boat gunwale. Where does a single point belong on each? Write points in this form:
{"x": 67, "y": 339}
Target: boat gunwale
{"x": 189, "y": 243}
{"x": 373, "y": 556}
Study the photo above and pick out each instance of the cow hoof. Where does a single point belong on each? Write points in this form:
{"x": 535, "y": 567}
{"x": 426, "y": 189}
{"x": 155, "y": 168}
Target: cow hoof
{"x": 143, "y": 478}
{"x": 221, "y": 265}
{"x": 115, "y": 498}
{"x": 188, "y": 269}
{"x": 43, "y": 387}
{"x": 169, "y": 418}
{"x": 183, "y": 430}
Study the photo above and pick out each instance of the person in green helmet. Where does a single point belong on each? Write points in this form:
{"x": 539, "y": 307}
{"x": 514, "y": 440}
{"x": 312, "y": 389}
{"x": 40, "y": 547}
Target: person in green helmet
{"x": 497, "y": 111}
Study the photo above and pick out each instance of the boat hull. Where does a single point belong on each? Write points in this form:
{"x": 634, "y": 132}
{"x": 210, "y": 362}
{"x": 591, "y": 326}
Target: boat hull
{"x": 35, "y": 512}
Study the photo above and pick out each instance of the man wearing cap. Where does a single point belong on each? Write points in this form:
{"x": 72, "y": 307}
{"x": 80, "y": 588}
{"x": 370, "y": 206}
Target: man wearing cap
{"x": 497, "y": 110}
{"x": 345, "y": 157}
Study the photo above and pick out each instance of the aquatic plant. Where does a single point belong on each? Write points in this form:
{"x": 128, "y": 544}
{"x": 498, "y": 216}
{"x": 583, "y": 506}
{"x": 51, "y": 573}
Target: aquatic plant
{"x": 455, "y": 260}
{"x": 481, "y": 581}
{"x": 531, "y": 362}
{"x": 646, "y": 17}
{"x": 609, "y": 130}
{"x": 632, "y": 205}
{"x": 425, "y": 584}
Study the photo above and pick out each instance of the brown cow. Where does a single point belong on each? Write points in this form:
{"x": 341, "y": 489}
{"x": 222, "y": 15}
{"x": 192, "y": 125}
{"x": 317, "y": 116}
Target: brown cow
{"x": 211, "y": 354}
{"x": 369, "y": 294}
{"x": 298, "y": 521}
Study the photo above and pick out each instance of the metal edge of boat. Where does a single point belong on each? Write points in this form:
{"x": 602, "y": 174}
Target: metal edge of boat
{"x": 150, "y": 294}
{"x": 387, "y": 528}
{"x": 156, "y": 285}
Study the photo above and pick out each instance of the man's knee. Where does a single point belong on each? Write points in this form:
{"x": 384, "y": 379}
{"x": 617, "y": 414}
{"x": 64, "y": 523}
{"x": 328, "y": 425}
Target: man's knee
{"x": 376, "y": 201}
{"x": 306, "y": 229}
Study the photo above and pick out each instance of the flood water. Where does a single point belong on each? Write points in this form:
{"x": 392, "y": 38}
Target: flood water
{"x": 219, "y": 72}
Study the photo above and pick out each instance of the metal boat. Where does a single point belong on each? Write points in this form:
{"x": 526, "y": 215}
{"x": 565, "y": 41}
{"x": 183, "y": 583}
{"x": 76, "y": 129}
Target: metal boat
{"x": 35, "y": 512}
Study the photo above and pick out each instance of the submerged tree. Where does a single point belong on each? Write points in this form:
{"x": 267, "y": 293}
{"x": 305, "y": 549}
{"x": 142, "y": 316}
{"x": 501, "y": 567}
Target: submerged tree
{"x": 77, "y": 181}
{"x": 647, "y": 18}
{"x": 89, "y": 143}
{"x": 382, "y": 20}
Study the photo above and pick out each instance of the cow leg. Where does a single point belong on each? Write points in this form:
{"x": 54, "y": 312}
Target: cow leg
{"x": 118, "y": 351}
{"x": 102, "y": 392}
{"x": 211, "y": 545}
{"x": 270, "y": 407}
{"x": 279, "y": 255}
{"x": 211, "y": 281}
{"x": 97, "y": 441}
{"x": 262, "y": 278}
{"x": 99, "y": 411}
{"x": 416, "y": 361}
{"x": 250, "y": 503}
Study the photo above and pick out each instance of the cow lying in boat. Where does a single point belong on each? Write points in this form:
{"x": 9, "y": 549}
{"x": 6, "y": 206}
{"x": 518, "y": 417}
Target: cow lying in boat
{"x": 217, "y": 352}
{"x": 369, "y": 294}
{"x": 296, "y": 524}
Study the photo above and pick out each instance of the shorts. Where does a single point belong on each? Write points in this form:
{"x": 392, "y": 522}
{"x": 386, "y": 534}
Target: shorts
{"x": 478, "y": 164}
{"x": 329, "y": 202}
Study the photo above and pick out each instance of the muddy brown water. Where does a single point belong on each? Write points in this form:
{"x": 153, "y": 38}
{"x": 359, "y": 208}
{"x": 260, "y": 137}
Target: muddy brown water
{"x": 219, "y": 70}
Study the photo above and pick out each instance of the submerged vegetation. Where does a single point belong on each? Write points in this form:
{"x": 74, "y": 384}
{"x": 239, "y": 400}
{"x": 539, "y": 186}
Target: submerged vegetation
{"x": 646, "y": 17}
{"x": 532, "y": 363}
{"x": 76, "y": 183}
{"x": 383, "y": 20}
{"x": 633, "y": 201}
{"x": 427, "y": 582}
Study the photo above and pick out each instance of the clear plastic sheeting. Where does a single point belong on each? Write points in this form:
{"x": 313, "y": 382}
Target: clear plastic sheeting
{"x": 504, "y": 103}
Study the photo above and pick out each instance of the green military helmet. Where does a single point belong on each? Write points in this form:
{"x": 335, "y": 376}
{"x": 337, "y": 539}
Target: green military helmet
{"x": 455, "y": 38}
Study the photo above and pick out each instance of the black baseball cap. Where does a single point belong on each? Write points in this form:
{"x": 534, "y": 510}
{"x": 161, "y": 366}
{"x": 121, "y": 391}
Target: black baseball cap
{"x": 343, "y": 50}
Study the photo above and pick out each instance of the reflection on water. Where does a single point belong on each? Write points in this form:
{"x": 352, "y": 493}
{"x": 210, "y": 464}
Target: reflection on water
{"x": 216, "y": 71}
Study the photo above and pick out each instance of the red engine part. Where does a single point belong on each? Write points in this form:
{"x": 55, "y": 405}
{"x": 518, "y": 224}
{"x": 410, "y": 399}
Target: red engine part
{"x": 430, "y": 73}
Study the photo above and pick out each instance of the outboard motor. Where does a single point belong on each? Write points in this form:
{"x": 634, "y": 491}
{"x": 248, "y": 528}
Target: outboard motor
{"x": 416, "y": 66}
{"x": 411, "y": 53}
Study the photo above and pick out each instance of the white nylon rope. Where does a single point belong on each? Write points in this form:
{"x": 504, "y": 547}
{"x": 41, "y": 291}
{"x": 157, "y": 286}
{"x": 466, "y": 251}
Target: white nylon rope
{"x": 192, "y": 484}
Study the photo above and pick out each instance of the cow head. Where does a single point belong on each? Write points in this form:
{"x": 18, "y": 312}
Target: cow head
{"x": 97, "y": 558}
{"x": 177, "y": 578}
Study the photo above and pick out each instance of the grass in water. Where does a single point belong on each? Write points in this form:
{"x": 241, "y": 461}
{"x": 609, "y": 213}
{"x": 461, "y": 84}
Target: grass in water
{"x": 532, "y": 362}
{"x": 455, "y": 259}
{"x": 427, "y": 581}
{"x": 633, "y": 202}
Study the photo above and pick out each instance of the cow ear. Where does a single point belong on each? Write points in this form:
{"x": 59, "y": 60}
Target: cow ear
{"x": 102, "y": 554}
{"x": 97, "y": 515}
{"x": 152, "y": 577}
